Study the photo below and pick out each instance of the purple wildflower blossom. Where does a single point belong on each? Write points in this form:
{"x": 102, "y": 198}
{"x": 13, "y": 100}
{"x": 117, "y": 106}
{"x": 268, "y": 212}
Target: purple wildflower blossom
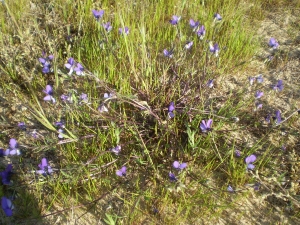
{"x": 172, "y": 177}
{"x": 7, "y": 206}
{"x": 13, "y": 148}
{"x": 60, "y": 133}
{"x": 217, "y": 16}
{"x": 22, "y": 125}
{"x": 249, "y": 160}
{"x": 256, "y": 186}
{"x": 194, "y": 24}
{"x": 46, "y": 63}
{"x": 98, "y": 14}
{"x": 168, "y": 54}
{"x": 273, "y": 43}
{"x": 116, "y": 149}
{"x": 34, "y": 134}
{"x": 108, "y": 95}
{"x": 210, "y": 83}
{"x": 214, "y": 49}
{"x": 171, "y": 108}
{"x": 258, "y": 105}
{"x": 66, "y": 98}
{"x": 188, "y": 45}
{"x": 259, "y": 94}
{"x": 206, "y": 126}
{"x": 230, "y": 189}
{"x": 278, "y": 86}
{"x": 259, "y": 78}
{"x": 278, "y": 117}
{"x": 201, "y": 32}
{"x": 45, "y": 169}
{"x": 49, "y": 94}
{"x": 251, "y": 80}
{"x": 6, "y": 175}
{"x": 175, "y": 20}
{"x": 102, "y": 108}
{"x": 124, "y": 31}
{"x": 268, "y": 118}
{"x": 122, "y": 172}
{"x": 70, "y": 65}
{"x": 107, "y": 27}
{"x": 84, "y": 97}
{"x": 179, "y": 166}
{"x": 79, "y": 69}
{"x": 237, "y": 153}
{"x": 60, "y": 124}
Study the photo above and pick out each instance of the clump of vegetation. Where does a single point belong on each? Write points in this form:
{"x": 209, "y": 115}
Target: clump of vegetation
{"x": 125, "y": 109}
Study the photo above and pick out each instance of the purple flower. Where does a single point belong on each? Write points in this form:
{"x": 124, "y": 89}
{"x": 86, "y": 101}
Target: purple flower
{"x": 107, "y": 27}
{"x": 84, "y": 97}
{"x": 6, "y": 175}
{"x": 258, "y": 105}
{"x": 172, "y": 177}
{"x": 7, "y": 206}
{"x": 214, "y": 48}
{"x": 70, "y": 65}
{"x": 108, "y": 95}
{"x": 230, "y": 189}
{"x": 60, "y": 124}
{"x": 256, "y": 186}
{"x": 249, "y": 160}
{"x": 171, "y": 108}
{"x": 259, "y": 94}
{"x": 116, "y": 149}
{"x": 237, "y": 153}
{"x": 217, "y": 16}
{"x": 45, "y": 169}
{"x": 13, "y": 148}
{"x": 102, "y": 108}
{"x": 175, "y": 20}
{"x": 122, "y": 172}
{"x": 194, "y": 24}
{"x": 179, "y": 166}
{"x": 98, "y": 14}
{"x": 46, "y": 68}
{"x": 45, "y": 61}
{"x": 60, "y": 133}
{"x": 168, "y": 54}
{"x": 273, "y": 43}
{"x": 210, "y": 83}
{"x": 188, "y": 45}
{"x": 206, "y": 126}
{"x": 66, "y": 98}
{"x": 278, "y": 86}
{"x": 22, "y": 126}
{"x": 201, "y": 32}
{"x": 79, "y": 69}
{"x": 34, "y": 134}
{"x": 259, "y": 78}
{"x": 49, "y": 92}
{"x": 124, "y": 31}
{"x": 278, "y": 117}
{"x": 251, "y": 80}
